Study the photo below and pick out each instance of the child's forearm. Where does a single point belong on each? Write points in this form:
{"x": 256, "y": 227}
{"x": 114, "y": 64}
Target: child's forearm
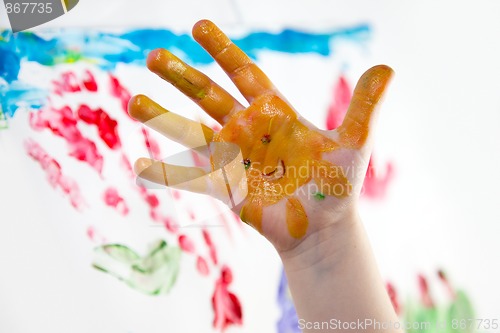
{"x": 335, "y": 282}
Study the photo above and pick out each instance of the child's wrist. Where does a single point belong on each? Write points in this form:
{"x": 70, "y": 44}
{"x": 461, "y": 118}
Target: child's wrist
{"x": 323, "y": 247}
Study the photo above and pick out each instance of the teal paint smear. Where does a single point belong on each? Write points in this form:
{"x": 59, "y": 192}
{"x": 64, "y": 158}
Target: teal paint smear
{"x": 17, "y": 94}
{"x": 106, "y": 50}
{"x": 153, "y": 274}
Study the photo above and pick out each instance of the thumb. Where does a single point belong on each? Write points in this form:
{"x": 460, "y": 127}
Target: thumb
{"x": 355, "y": 129}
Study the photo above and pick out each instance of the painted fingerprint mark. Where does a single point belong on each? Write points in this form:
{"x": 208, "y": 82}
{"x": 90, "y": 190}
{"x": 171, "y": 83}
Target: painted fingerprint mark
{"x": 151, "y": 144}
{"x": 119, "y": 91}
{"x": 113, "y": 199}
{"x": 95, "y": 236}
{"x": 67, "y": 83}
{"x": 425, "y": 295}
{"x": 393, "y": 295}
{"x": 54, "y": 174}
{"x": 202, "y": 266}
{"x": 186, "y": 244}
{"x": 378, "y": 178}
{"x": 106, "y": 126}
{"x": 154, "y": 273}
{"x": 210, "y": 245}
{"x": 89, "y": 81}
{"x": 226, "y": 305}
{"x": 66, "y": 122}
{"x": 62, "y": 122}
{"x": 444, "y": 279}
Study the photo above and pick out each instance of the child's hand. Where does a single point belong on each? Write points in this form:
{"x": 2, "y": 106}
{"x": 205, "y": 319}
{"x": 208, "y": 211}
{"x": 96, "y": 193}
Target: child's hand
{"x": 299, "y": 179}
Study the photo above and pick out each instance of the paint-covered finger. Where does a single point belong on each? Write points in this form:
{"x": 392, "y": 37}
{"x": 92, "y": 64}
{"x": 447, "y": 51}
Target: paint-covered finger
{"x": 370, "y": 88}
{"x": 227, "y": 183}
{"x": 217, "y": 102}
{"x": 181, "y": 177}
{"x": 187, "y": 132}
{"x": 245, "y": 74}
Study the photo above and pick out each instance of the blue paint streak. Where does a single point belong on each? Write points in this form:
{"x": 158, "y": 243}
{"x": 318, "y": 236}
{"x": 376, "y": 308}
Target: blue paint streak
{"x": 17, "y": 94}
{"x": 109, "y": 49}
{"x": 288, "y": 323}
{"x": 9, "y": 65}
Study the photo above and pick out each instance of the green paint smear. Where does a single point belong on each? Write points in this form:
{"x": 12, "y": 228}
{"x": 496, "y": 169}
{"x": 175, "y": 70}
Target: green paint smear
{"x": 319, "y": 196}
{"x": 152, "y": 274}
{"x": 70, "y": 57}
{"x": 445, "y": 318}
{"x": 461, "y": 309}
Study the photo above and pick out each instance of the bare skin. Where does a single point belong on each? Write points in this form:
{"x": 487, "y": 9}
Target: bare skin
{"x": 294, "y": 183}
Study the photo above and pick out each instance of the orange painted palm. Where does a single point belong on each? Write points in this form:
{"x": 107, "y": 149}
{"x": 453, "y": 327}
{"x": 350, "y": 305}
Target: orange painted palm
{"x": 281, "y": 174}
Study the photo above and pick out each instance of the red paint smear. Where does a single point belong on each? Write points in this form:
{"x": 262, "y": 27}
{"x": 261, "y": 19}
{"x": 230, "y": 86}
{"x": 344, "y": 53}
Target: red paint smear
{"x": 237, "y": 218}
{"x": 446, "y": 282}
{"x": 341, "y": 97}
{"x": 151, "y": 200}
{"x": 210, "y": 245}
{"x": 186, "y": 244}
{"x": 224, "y": 217}
{"x": 54, "y": 174}
{"x": 113, "y": 199}
{"x": 424, "y": 291}
{"x": 170, "y": 225}
{"x": 70, "y": 83}
{"x": 67, "y": 83}
{"x": 176, "y": 194}
{"x": 198, "y": 160}
{"x": 393, "y": 295}
{"x": 104, "y": 123}
{"x": 376, "y": 184}
{"x": 127, "y": 166}
{"x": 226, "y": 305}
{"x": 152, "y": 145}
{"x": 89, "y": 81}
{"x": 63, "y": 123}
{"x": 202, "y": 266}
{"x": 94, "y": 236}
{"x": 120, "y": 92}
